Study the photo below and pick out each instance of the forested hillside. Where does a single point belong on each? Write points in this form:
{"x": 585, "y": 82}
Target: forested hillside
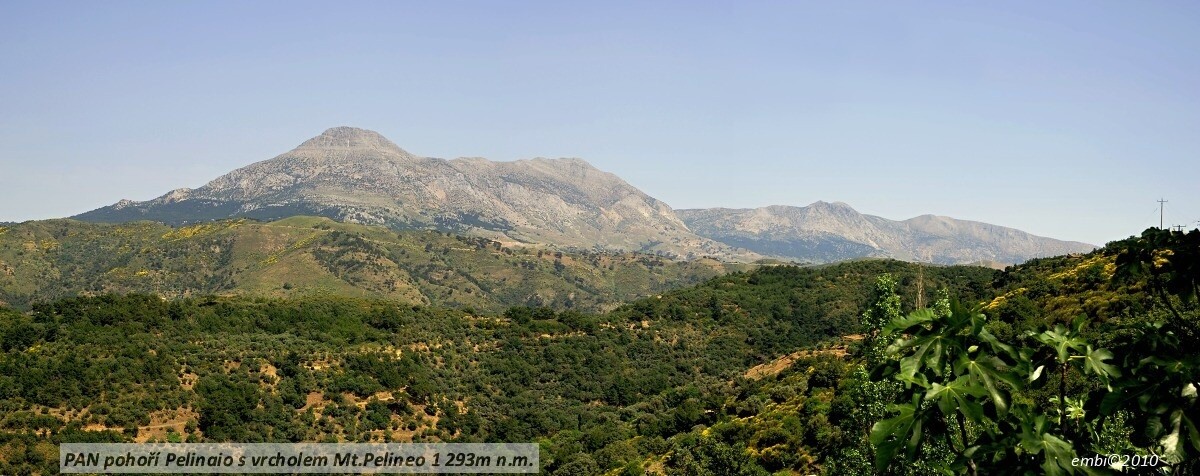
{"x": 1081, "y": 364}
{"x": 778, "y": 370}
{"x": 304, "y": 256}
{"x": 600, "y": 390}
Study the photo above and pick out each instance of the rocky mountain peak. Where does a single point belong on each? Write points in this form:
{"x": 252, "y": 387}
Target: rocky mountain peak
{"x": 358, "y": 176}
{"x": 350, "y": 138}
{"x": 833, "y": 207}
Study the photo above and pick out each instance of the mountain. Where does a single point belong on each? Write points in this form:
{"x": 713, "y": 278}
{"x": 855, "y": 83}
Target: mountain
{"x": 826, "y": 232}
{"x": 358, "y": 176}
{"x": 303, "y": 256}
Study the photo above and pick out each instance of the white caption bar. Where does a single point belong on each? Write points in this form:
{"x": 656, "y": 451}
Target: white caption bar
{"x": 298, "y": 458}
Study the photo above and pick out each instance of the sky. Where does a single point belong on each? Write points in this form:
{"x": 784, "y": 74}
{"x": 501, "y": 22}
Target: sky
{"x": 1064, "y": 119}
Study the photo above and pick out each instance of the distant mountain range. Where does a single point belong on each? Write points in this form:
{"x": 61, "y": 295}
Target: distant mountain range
{"x": 358, "y": 176}
{"x": 826, "y": 232}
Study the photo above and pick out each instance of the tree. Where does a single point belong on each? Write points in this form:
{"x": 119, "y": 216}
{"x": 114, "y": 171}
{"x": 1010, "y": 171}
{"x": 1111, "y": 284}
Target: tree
{"x": 227, "y": 406}
{"x": 959, "y": 386}
{"x": 705, "y": 456}
{"x": 868, "y": 396}
{"x": 1160, "y": 388}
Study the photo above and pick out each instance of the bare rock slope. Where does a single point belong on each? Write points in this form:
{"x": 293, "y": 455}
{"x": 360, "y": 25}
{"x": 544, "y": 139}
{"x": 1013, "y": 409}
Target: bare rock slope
{"x": 358, "y": 176}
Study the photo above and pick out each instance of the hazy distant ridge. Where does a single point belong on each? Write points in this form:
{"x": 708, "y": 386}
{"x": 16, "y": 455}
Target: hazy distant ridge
{"x": 826, "y": 232}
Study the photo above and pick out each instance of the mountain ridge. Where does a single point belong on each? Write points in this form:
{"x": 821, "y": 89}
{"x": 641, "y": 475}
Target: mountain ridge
{"x": 359, "y": 176}
{"x": 825, "y": 231}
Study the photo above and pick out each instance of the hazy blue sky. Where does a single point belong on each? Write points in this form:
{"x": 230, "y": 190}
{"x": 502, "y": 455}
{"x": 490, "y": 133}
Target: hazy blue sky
{"x": 1065, "y": 119}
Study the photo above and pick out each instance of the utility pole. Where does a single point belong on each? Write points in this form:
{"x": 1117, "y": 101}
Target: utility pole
{"x": 1160, "y": 213}
{"x": 1161, "y": 208}
{"x": 920, "y": 285}
{"x": 1178, "y": 228}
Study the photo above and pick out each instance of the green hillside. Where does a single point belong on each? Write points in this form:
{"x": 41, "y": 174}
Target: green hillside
{"x": 304, "y": 256}
{"x": 1113, "y": 331}
{"x": 781, "y": 370}
{"x": 599, "y": 390}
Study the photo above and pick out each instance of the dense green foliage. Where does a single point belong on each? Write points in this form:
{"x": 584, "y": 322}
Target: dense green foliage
{"x": 984, "y": 398}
